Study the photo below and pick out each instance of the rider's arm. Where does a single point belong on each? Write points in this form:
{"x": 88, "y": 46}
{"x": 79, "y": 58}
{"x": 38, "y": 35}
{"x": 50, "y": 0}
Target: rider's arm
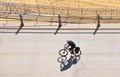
{"x": 67, "y": 45}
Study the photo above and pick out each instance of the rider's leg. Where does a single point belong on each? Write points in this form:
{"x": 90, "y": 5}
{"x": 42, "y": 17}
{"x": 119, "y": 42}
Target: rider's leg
{"x": 67, "y": 46}
{"x": 71, "y": 51}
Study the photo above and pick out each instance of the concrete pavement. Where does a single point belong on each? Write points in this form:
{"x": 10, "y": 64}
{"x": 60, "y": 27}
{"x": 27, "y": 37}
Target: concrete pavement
{"x": 35, "y": 55}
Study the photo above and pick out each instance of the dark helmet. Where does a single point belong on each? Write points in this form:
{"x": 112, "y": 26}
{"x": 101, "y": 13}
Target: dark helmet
{"x": 77, "y": 49}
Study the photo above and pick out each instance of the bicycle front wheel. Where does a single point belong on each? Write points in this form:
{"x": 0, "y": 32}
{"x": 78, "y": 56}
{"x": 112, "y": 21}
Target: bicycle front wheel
{"x": 63, "y": 52}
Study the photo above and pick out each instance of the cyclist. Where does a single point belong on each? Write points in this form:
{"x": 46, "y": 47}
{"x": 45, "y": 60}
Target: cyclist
{"x": 70, "y": 45}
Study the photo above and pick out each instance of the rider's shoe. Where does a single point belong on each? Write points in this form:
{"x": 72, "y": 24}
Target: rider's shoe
{"x": 72, "y": 52}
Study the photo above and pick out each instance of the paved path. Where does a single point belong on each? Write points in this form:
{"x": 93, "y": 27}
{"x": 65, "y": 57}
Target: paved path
{"x": 35, "y": 55}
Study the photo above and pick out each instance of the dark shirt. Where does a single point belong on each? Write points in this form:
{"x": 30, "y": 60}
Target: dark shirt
{"x": 71, "y": 43}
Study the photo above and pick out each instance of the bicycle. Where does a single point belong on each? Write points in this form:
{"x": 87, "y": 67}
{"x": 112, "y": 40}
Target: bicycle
{"x": 64, "y": 52}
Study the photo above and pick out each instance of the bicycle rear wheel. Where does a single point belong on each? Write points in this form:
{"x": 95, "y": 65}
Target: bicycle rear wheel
{"x": 63, "y": 52}
{"x": 78, "y": 54}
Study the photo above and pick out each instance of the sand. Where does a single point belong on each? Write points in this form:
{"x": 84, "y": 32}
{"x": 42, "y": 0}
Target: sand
{"x": 72, "y": 3}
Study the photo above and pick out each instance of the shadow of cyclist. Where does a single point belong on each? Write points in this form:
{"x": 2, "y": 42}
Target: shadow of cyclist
{"x": 68, "y": 63}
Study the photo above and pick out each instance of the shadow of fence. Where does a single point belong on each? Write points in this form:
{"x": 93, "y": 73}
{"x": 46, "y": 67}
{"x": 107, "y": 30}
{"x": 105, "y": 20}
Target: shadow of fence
{"x": 61, "y": 31}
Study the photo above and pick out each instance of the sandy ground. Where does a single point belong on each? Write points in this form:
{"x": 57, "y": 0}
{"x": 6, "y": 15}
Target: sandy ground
{"x": 35, "y": 55}
{"x": 72, "y": 3}
{"x": 46, "y": 9}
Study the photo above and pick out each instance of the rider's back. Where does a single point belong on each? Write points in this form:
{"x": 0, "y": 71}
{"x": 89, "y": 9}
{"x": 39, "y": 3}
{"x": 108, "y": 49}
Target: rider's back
{"x": 71, "y": 43}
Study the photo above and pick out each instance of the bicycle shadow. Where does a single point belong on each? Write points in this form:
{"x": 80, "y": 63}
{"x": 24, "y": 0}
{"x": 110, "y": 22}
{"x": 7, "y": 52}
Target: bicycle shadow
{"x": 64, "y": 65}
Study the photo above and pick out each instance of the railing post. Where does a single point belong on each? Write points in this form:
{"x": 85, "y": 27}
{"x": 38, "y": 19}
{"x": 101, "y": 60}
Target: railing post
{"x": 24, "y": 8}
{"x": 59, "y": 26}
{"x": 21, "y": 25}
{"x": 38, "y": 9}
{"x": 98, "y": 24}
{"x": 9, "y": 7}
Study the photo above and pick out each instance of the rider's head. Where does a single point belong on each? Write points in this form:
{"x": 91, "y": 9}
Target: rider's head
{"x": 67, "y": 40}
{"x": 77, "y": 49}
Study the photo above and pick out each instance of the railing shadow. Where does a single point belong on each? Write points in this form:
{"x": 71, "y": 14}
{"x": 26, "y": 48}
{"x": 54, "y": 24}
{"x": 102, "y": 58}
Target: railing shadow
{"x": 66, "y": 64}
